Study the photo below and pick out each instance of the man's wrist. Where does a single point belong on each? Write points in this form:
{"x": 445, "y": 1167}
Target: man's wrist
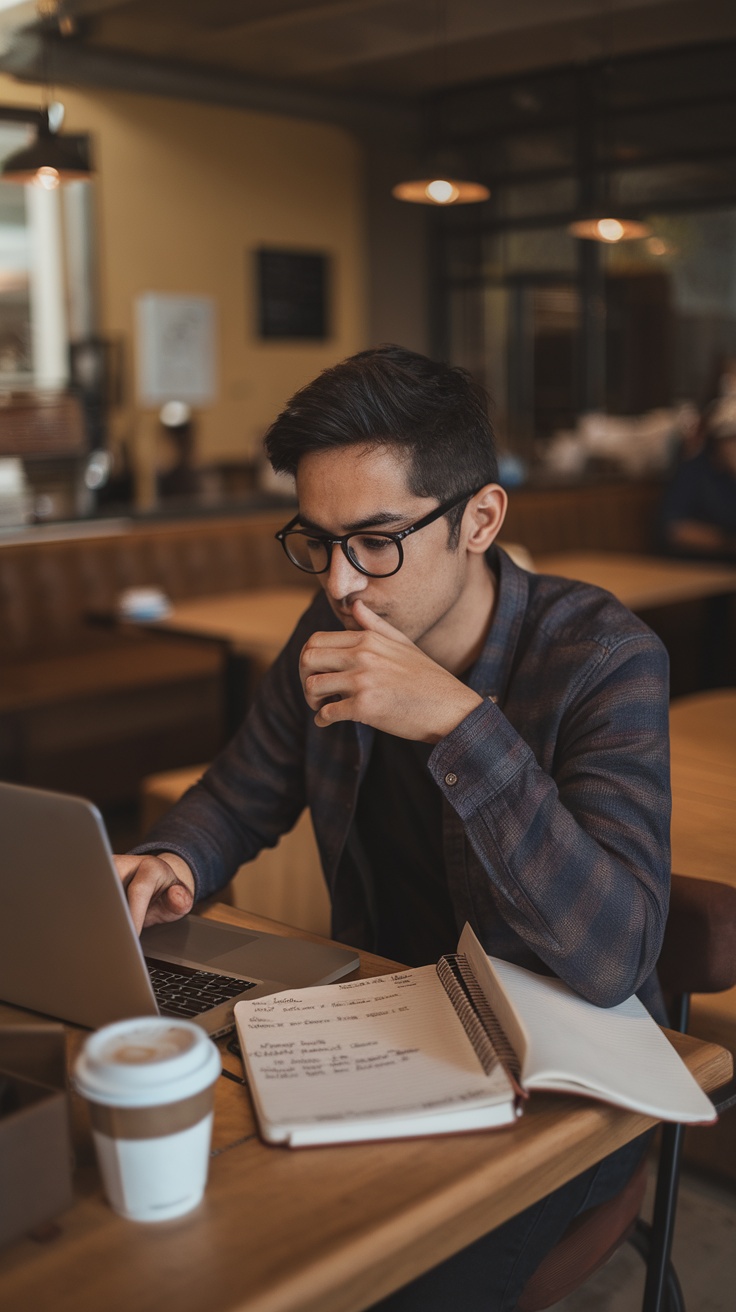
{"x": 460, "y": 710}
{"x": 180, "y": 868}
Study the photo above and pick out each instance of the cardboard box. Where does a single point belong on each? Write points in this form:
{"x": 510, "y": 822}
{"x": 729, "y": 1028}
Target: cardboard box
{"x": 35, "y": 1143}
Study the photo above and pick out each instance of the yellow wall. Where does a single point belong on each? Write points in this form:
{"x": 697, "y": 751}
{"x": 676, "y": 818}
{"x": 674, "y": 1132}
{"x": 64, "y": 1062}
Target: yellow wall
{"x": 185, "y": 194}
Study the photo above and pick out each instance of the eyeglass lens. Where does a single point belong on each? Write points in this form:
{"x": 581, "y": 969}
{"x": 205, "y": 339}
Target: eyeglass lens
{"x": 371, "y": 552}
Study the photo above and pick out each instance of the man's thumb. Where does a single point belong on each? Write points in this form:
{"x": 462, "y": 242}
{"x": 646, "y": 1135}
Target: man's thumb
{"x": 179, "y": 899}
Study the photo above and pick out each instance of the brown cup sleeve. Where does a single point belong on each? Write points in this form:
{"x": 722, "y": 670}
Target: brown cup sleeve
{"x": 151, "y": 1122}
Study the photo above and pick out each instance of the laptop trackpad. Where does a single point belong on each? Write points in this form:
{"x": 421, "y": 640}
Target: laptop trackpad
{"x": 198, "y": 941}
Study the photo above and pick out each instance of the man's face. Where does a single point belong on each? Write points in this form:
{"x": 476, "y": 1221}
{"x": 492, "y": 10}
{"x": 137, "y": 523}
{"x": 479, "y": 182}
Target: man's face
{"x": 352, "y": 488}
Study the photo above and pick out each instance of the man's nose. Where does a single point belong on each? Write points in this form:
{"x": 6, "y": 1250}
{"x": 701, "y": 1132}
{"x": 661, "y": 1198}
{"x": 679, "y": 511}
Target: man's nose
{"x": 342, "y": 579}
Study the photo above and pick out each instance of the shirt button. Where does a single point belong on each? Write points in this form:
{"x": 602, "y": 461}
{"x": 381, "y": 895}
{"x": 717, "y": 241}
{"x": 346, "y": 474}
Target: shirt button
{"x": 493, "y": 698}
{"x": 450, "y": 779}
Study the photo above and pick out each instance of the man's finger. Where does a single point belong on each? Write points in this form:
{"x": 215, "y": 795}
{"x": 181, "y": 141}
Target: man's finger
{"x": 331, "y": 686}
{"x": 173, "y": 903}
{"x": 328, "y": 660}
{"x": 126, "y": 866}
{"x": 332, "y": 638}
{"x": 139, "y": 898}
{"x": 154, "y": 890}
{"x": 368, "y": 619}
{"x": 332, "y": 711}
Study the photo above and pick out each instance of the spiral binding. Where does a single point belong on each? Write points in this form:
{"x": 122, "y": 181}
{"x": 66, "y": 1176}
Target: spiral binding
{"x": 466, "y": 1014}
{"x": 481, "y": 1025}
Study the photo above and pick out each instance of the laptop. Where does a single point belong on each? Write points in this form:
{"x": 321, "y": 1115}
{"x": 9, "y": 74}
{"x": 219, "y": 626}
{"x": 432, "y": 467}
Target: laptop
{"x": 68, "y": 947}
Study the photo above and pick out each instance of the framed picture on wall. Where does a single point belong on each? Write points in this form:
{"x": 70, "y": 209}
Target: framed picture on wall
{"x": 292, "y": 292}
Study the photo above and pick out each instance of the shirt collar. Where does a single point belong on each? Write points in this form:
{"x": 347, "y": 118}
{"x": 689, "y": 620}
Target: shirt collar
{"x": 492, "y": 671}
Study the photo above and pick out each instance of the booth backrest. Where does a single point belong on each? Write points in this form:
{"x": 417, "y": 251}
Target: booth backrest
{"x": 50, "y": 582}
{"x": 50, "y": 585}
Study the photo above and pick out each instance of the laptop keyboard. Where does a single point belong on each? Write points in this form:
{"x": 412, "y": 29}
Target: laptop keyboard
{"x": 186, "y": 991}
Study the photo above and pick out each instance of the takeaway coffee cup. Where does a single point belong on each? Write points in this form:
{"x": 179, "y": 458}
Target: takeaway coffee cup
{"x": 149, "y": 1083}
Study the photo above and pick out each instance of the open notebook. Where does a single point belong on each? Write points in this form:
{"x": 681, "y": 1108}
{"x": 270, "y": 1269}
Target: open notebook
{"x": 457, "y": 1046}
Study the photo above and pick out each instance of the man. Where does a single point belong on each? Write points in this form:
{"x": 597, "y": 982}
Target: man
{"x": 698, "y": 522}
{"x": 474, "y": 742}
{"x": 699, "y": 509}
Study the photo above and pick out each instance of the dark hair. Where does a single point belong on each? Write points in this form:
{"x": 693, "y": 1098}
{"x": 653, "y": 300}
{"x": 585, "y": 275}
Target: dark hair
{"x": 435, "y": 414}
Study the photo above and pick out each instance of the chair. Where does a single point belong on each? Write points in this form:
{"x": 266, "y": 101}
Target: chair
{"x": 698, "y": 956}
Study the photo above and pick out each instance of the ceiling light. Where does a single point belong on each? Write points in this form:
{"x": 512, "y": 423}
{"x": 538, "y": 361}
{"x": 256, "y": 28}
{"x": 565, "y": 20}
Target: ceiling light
{"x": 440, "y": 191}
{"x": 609, "y": 230}
{"x": 440, "y": 183}
{"x": 48, "y": 161}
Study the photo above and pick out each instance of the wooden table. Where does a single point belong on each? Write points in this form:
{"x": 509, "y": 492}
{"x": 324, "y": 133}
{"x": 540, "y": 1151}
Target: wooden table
{"x": 313, "y": 1230}
{"x": 703, "y": 746}
{"x": 698, "y": 640}
{"x": 641, "y": 582}
{"x": 255, "y": 624}
{"x": 251, "y": 627}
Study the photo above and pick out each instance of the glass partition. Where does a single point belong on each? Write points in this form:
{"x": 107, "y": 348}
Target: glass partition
{"x": 557, "y": 327}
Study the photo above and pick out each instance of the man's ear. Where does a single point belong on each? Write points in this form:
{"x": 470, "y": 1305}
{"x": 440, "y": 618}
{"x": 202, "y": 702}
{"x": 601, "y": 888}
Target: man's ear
{"x": 484, "y": 516}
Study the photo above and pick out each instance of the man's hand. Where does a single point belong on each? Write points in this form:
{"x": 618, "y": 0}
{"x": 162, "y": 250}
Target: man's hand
{"x": 377, "y": 676}
{"x": 159, "y": 888}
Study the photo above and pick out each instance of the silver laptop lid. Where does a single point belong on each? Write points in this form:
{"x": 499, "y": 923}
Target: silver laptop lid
{"x": 68, "y": 946}
{"x": 67, "y": 942}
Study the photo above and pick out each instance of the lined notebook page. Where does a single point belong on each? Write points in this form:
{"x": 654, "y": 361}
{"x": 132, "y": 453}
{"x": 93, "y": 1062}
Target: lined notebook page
{"x": 618, "y": 1052}
{"x": 391, "y": 1045}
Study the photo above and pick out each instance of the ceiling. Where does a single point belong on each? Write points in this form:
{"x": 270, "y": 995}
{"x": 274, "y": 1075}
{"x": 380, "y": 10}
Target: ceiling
{"x": 359, "y": 61}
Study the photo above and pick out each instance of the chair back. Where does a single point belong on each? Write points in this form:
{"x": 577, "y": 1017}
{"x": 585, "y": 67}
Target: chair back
{"x": 698, "y": 956}
{"x": 699, "y": 950}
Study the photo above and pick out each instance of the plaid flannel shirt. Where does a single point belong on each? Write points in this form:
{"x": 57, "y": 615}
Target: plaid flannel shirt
{"x": 555, "y": 790}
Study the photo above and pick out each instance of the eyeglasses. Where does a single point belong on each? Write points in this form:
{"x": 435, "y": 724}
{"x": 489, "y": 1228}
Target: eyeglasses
{"x": 379, "y": 555}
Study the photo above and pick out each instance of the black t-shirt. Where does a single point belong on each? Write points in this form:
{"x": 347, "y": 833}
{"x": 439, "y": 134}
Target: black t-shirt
{"x": 399, "y": 823}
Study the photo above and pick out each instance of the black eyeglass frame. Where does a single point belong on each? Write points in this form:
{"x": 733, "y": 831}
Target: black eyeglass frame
{"x": 328, "y": 543}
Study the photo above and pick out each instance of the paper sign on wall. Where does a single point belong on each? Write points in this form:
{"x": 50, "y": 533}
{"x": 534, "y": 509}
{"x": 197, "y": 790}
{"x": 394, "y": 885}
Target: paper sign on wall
{"x": 175, "y": 349}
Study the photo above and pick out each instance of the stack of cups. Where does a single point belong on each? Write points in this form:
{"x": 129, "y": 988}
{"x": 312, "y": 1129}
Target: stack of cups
{"x": 150, "y": 1087}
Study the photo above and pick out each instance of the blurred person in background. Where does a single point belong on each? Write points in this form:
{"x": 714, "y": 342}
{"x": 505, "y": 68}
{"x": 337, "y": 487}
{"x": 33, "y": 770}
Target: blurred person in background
{"x": 699, "y": 508}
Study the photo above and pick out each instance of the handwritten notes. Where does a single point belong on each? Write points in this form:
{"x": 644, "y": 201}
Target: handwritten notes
{"x": 398, "y": 1055}
{"x": 382, "y": 1047}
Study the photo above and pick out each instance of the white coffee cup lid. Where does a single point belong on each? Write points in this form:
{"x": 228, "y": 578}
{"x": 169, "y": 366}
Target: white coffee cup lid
{"x": 146, "y": 1061}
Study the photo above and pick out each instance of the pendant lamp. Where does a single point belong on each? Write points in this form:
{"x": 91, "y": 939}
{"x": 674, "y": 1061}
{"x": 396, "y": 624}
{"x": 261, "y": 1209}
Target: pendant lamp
{"x": 49, "y": 160}
{"x": 608, "y": 230}
{"x": 597, "y": 218}
{"x": 440, "y": 180}
{"x": 440, "y": 190}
